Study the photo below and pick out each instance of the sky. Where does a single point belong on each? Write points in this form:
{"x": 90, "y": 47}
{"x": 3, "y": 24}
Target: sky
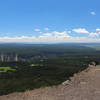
{"x": 49, "y": 21}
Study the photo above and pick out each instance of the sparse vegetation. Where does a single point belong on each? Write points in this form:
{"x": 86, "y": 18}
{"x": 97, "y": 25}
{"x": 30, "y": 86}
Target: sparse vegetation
{"x": 6, "y": 69}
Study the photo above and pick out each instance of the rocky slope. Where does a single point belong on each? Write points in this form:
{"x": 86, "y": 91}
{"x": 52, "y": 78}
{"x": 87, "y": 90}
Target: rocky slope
{"x": 83, "y": 86}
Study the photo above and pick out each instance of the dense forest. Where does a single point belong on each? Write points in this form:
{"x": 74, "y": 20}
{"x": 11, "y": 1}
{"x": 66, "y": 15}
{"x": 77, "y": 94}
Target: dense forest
{"x": 44, "y": 64}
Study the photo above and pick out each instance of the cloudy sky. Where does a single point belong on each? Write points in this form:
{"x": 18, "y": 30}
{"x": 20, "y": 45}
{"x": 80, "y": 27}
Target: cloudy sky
{"x": 49, "y": 21}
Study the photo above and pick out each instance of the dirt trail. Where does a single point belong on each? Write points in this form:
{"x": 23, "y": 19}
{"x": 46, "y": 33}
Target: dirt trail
{"x": 83, "y": 86}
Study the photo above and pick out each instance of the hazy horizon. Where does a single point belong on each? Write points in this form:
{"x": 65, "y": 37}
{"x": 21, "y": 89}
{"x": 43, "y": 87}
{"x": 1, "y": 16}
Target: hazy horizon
{"x": 49, "y": 21}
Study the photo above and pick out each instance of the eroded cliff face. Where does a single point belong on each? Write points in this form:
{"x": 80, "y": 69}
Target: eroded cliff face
{"x": 84, "y": 85}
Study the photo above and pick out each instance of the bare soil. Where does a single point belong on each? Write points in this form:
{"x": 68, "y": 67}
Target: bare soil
{"x": 83, "y": 86}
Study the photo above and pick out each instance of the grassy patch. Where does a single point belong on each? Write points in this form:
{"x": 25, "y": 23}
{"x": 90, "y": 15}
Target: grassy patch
{"x": 35, "y": 65}
{"x": 5, "y": 69}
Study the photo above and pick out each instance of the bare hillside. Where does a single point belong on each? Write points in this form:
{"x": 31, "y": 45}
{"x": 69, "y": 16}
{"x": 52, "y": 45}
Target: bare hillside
{"x": 83, "y": 86}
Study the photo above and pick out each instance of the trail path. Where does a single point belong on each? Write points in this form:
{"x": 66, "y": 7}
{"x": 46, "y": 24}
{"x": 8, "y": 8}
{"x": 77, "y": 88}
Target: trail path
{"x": 83, "y": 86}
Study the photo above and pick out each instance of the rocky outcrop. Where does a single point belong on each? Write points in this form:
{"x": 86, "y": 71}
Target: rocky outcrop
{"x": 82, "y": 86}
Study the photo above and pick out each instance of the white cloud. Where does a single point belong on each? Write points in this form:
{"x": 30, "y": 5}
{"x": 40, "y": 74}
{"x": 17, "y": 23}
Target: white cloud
{"x": 50, "y": 38}
{"x": 46, "y": 37}
{"x": 37, "y": 30}
{"x": 46, "y": 29}
{"x": 98, "y": 29}
{"x": 93, "y": 34}
{"x": 17, "y": 39}
{"x": 56, "y": 37}
{"x": 80, "y": 30}
{"x": 61, "y": 34}
{"x": 93, "y": 13}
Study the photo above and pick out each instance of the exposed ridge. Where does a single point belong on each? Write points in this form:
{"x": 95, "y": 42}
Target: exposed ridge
{"x": 82, "y": 86}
